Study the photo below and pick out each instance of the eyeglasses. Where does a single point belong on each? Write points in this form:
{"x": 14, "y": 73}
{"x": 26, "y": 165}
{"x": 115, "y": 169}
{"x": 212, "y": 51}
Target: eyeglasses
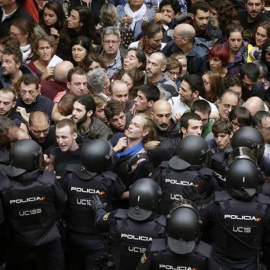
{"x": 268, "y": 128}
{"x": 174, "y": 73}
{"x": 110, "y": 41}
{"x": 38, "y": 132}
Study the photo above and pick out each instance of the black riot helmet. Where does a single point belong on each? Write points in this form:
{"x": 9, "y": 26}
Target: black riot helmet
{"x": 144, "y": 197}
{"x": 192, "y": 150}
{"x": 96, "y": 156}
{"x": 183, "y": 229}
{"x": 243, "y": 173}
{"x": 25, "y": 156}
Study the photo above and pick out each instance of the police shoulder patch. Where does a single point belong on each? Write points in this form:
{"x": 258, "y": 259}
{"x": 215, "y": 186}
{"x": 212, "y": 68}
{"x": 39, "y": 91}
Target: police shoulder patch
{"x": 143, "y": 258}
{"x": 105, "y": 217}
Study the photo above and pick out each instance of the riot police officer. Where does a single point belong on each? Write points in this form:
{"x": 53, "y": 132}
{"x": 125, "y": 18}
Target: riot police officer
{"x": 82, "y": 182}
{"x": 181, "y": 249}
{"x": 239, "y": 218}
{"x": 132, "y": 230}
{"x": 185, "y": 171}
{"x": 30, "y": 198}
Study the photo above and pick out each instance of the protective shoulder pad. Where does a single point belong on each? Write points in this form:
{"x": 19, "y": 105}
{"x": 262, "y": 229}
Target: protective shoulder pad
{"x": 47, "y": 178}
{"x": 5, "y": 182}
{"x": 71, "y": 167}
{"x": 162, "y": 220}
{"x": 219, "y": 157}
{"x": 222, "y": 196}
{"x": 110, "y": 175}
{"x": 204, "y": 249}
{"x": 158, "y": 244}
{"x": 121, "y": 213}
{"x": 206, "y": 171}
{"x": 263, "y": 199}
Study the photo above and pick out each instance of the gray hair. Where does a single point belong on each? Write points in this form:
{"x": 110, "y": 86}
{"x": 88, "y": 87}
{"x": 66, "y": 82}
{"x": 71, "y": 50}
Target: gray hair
{"x": 111, "y": 30}
{"x": 96, "y": 79}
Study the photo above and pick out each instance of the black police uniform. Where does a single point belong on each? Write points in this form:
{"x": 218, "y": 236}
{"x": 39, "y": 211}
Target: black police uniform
{"x": 30, "y": 203}
{"x": 240, "y": 227}
{"x": 84, "y": 239}
{"x": 129, "y": 238}
{"x": 173, "y": 183}
{"x": 159, "y": 256}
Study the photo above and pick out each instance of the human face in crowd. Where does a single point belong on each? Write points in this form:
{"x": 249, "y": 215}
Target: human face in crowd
{"x": 265, "y": 129}
{"x": 78, "y": 53}
{"x": 136, "y": 4}
{"x": 254, "y": 8}
{"x": 118, "y": 122}
{"x": 178, "y": 39}
{"x": 5, "y": 3}
{"x": 206, "y": 83}
{"x": 183, "y": 62}
{"x": 73, "y": 21}
{"x": 214, "y": 13}
{"x": 111, "y": 44}
{"x": 100, "y": 113}
{"x": 194, "y": 128}
{"x": 106, "y": 84}
{"x": 1, "y": 50}
{"x": 248, "y": 83}
{"x": 235, "y": 41}
{"x": 215, "y": 64}
{"x": 222, "y": 140}
{"x": 154, "y": 66}
{"x": 50, "y": 17}
{"x": 44, "y": 50}
{"x": 204, "y": 117}
{"x": 79, "y": 114}
{"x": 120, "y": 93}
{"x": 201, "y": 20}
{"x": 161, "y": 117}
{"x": 140, "y": 102}
{"x": 7, "y": 102}
{"x": 186, "y": 94}
{"x": 127, "y": 80}
{"x": 93, "y": 66}
{"x": 155, "y": 42}
{"x": 39, "y": 130}
{"x": 28, "y": 93}
{"x": 226, "y": 105}
{"x": 135, "y": 129}
{"x": 78, "y": 85}
{"x": 260, "y": 36}
{"x": 174, "y": 74}
{"x": 168, "y": 11}
{"x": 235, "y": 124}
{"x": 267, "y": 56}
{"x": 131, "y": 61}
{"x": 17, "y": 33}
{"x": 9, "y": 66}
{"x": 66, "y": 139}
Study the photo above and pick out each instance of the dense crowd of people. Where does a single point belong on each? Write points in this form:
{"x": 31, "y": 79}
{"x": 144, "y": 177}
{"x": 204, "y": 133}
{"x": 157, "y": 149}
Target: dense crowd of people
{"x": 134, "y": 134}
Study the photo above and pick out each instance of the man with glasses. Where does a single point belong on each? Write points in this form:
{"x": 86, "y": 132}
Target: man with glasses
{"x": 249, "y": 74}
{"x": 226, "y": 102}
{"x": 111, "y": 51}
{"x": 40, "y": 129}
{"x": 30, "y": 99}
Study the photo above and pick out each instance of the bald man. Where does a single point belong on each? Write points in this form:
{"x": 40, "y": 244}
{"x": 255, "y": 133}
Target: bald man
{"x": 195, "y": 49}
{"x": 40, "y": 130}
{"x": 59, "y": 83}
{"x": 254, "y": 105}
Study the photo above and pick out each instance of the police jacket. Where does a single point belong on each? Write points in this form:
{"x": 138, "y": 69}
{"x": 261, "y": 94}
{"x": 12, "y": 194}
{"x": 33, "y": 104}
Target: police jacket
{"x": 30, "y": 202}
{"x": 173, "y": 183}
{"x": 129, "y": 238}
{"x": 238, "y": 223}
{"x": 79, "y": 215}
{"x": 158, "y": 256}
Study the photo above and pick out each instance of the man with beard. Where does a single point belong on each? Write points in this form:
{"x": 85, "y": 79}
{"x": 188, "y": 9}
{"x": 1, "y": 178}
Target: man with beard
{"x": 88, "y": 125}
{"x": 155, "y": 66}
{"x": 12, "y": 67}
{"x": 40, "y": 130}
{"x": 251, "y": 16}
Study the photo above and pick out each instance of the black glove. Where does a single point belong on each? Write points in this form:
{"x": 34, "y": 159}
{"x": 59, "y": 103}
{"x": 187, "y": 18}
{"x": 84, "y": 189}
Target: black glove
{"x": 97, "y": 203}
